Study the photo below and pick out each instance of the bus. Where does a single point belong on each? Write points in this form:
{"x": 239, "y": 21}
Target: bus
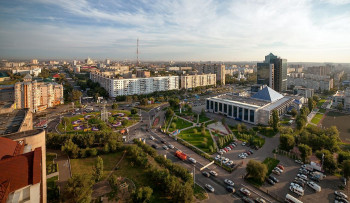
{"x": 291, "y": 199}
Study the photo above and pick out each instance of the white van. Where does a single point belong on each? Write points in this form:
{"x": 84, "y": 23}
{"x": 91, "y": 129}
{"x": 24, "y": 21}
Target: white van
{"x": 289, "y": 198}
{"x": 297, "y": 190}
{"x": 314, "y": 186}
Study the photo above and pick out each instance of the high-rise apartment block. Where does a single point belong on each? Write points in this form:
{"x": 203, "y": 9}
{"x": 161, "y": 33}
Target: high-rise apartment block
{"x": 273, "y": 72}
{"x": 37, "y": 96}
{"x": 131, "y": 86}
{"x": 319, "y": 70}
{"x": 217, "y": 69}
{"x": 192, "y": 81}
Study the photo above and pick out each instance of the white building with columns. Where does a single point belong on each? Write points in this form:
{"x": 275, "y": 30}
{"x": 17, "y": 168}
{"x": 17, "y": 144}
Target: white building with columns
{"x": 254, "y": 110}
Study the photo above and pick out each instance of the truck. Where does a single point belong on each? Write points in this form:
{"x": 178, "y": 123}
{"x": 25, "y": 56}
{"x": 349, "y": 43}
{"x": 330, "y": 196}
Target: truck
{"x": 315, "y": 166}
{"x": 291, "y": 199}
{"x": 314, "y": 186}
{"x": 318, "y": 175}
{"x": 181, "y": 155}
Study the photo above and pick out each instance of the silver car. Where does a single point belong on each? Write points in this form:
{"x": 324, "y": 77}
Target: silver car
{"x": 209, "y": 187}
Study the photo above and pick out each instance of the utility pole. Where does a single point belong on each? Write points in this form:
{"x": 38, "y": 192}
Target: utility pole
{"x": 137, "y": 52}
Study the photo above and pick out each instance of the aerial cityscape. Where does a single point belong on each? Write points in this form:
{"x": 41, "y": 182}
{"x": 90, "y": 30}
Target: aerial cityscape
{"x": 174, "y": 101}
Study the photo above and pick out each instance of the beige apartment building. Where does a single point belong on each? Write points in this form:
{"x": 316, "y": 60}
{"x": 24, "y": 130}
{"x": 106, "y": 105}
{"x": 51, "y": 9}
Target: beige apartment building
{"x": 37, "y": 96}
{"x": 192, "y": 81}
{"x": 217, "y": 69}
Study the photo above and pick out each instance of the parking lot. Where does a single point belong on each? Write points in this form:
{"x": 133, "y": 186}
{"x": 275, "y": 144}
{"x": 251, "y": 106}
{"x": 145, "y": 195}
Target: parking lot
{"x": 328, "y": 185}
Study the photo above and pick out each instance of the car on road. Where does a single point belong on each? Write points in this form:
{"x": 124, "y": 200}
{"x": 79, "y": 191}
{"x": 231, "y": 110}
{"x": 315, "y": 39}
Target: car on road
{"x": 230, "y": 189}
{"x": 244, "y": 143}
{"x": 155, "y": 146}
{"x": 213, "y": 173}
{"x": 247, "y": 199}
{"x": 340, "y": 199}
{"x": 260, "y": 200}
{"x": 340, "y": 194}
{"x": 165, "y": 147}
{"x": 229, "y": 182}
{"x": 206, "y": 174}
{"x": 192, "y": 160}
{"x": 209, "y": 187}
{"x": 298, "y": 161}
{"x": 171, "y": 146}
{"x": 151, "y": 137}
{"x": 245, "y": 191}
{"x": 163, "y": 141}
{"x": 274, "y": 178}
{"x": 251, "y": 151}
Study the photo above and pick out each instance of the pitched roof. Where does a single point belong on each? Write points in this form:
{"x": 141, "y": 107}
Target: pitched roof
{"x": 19, "y": 171}
{"x": 28, "y": 76}
{"x": 56, "y": 75}
{"x": 267, "y": 94}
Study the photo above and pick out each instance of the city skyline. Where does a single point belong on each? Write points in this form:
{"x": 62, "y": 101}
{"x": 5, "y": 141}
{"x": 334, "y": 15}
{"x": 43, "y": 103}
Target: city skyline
{"x": 302, "y": 31}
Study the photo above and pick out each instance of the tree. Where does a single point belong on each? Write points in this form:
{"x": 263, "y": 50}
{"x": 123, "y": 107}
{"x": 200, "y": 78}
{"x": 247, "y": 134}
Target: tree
{"x": 98, "y": 169}
{"x": 114, "y": 106}
{"x": 256, "y": 170}
{"x": 78, "y": 189}
{"x": 144, "y": 101}
{"x": 70, "y": 148}
{"x": 287, "y": 142}
{"x": 305, "y": 151}
{"x": 133, "y": 111}
{"x": 294, "y": 112}
{"x": 76, "y": 94}
{"x": 143, "y": 194}
{"x": 275, "y": 120}
{"x": 169, "y": 113}
{"x": 203, "y": 113}
{"x": 310, "y": 104}
{"x": 340, "y": 106}
{"x": 329, "y": 163}
{"x": 223, "y": 121}
{"x": 346, "y": 169}
{"x": 125, "y": 122}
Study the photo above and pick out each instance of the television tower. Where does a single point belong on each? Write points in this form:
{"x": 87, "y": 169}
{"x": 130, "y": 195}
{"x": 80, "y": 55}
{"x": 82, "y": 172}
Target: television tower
{"x": 137, "y": 52}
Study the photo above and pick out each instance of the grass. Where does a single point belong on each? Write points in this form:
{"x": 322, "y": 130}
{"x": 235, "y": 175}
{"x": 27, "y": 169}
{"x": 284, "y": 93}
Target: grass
{"x": 266, "y": 131}
{"x": 180, "y": 124}
{"x": 52, "y": 190}
{"x": 85, "y": 166}
{"x": 203, "y": 118}
{"x": 271, "y": 163}
{"x": 50, "y": 166}
{"x": 197, "y": 139}
{"x": 149, "y": 106}
{"x": 319, "y": 103}
{"x": 200, "y": 193}
{"x": 322, "y": 110}
{"x": 317, "y": 118}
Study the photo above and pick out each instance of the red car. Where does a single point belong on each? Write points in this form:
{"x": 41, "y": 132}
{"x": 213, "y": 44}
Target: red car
{"x": 230, "y": 146}
{"x": 280, "y": 166}
{"x": 226, "y": 150}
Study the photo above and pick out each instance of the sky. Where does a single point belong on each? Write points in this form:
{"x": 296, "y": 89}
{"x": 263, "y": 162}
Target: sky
{"x": 183, "y": 30}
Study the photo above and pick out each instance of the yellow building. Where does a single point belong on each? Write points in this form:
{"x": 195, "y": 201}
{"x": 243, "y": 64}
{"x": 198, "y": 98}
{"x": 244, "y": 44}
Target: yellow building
{"x": 192, "y": 81}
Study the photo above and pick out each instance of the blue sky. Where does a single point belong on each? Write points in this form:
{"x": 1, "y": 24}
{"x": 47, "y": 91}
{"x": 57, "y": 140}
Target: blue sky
{"x": 217, "y": 30}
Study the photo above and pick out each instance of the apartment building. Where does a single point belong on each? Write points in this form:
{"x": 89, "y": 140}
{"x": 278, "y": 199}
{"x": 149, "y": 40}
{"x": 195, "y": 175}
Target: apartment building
{"x": 342, "y": 97}
{"x": 132, "y": 86}
{"x": 192, "y": 81}
{"x": 315, "y": 82}
{"x": 217, "y": 69}
{"x": 37, "y": 96}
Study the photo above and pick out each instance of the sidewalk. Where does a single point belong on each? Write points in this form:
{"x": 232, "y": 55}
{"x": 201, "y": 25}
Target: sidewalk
{"x": 64, "y": 170}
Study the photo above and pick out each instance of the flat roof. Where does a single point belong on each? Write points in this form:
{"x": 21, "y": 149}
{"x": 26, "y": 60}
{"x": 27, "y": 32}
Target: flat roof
{"x": 11, "y": 122}
{"x": 243, "y": 100}
{"x": 276, "y": 103}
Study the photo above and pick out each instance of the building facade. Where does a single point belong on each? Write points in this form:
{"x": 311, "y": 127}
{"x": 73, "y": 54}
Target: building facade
{"x": 217, "y": 69}
{"x": 192, "y": 81}
{"x": 273, "y": 72}
{"x": 132, "y": 86}
{"x": 37, "y": 96}
{"x": 254, "y": 110}
{"x": 343, "y": 98}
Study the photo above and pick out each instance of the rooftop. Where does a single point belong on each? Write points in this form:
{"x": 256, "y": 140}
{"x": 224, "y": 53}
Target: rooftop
{"x": 11, "y": 122}
{"x": 268, "y": 94}
{"x": 243, "y": 100}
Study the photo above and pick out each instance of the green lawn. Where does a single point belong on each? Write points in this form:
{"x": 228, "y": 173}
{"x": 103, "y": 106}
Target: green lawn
{"x": 322, "y": 110}
{"x": 200, "y": 193}
{"x": 197, "y": 139}
{"x": 317, "y": 118}
{"x": 319, "y": 103}
{"x": 149, "y": 106}
{"x": 50, "y": 166}
{"x": 271, "y": 163}
{"x": 180, "y": 124}
{"x": 267, "y": 131}
{"x": 203, "y": 118}
{"x": 52, "y": 190}
{"x": 85, "y": 166}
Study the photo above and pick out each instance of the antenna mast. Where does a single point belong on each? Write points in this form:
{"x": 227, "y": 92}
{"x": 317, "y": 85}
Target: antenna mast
{"x": 137, "y": 52}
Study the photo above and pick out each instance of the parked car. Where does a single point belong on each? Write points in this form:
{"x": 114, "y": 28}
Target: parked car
{"x": 162, "y": 141}
{"x": 302, "y": 176}
{"x": 244, "y": 143}
{"x": 247, "y": 199}
{"x": 300, "y": 179}
{"x": 298, "y": 161}
{"x": 206, "y": 174}
{"x": 151, "y": 137}
{"x": 229, "y": 163}
{"x": 155, "y": 146}
{"x": 274, "y": 179}
{"x": 340, "y": 194}
{"x": 229, "y": 182}
{"x": 278, "y": 169}
{"x": 209, "y": 187}
{"x": 245, "y": 191}
{"x": 260, "y": 200}
{"x": 314, "y": 186}
{"x": 276, "y": 172}
{"x": 251, "y": 151}
{"x": 271, "y": 182}
{"x": 295, "y": 185}
{"x": 314, "y": 178}
{"x": 230, "y": 189}
{"x": 341, "y": 199}
{"x": 192, "y": 160}
{"x": 299, "y": 183}
{"x": 280, "y": 166}
{"x": 165, "y": 147}
{"x": 213, "y": 173}
{"x": 217, "y": 158}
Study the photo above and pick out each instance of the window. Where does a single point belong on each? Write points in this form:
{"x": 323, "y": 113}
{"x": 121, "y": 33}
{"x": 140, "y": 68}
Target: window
{"x": 235, "y": 111}
{"x": 246, "y": 114}
{"x": 207, "y": 104}
{"x": 225, "y": 108}
{"x": 220, "y": 107}
{"x": 216, "y": 107}
{"x": 230, "y": 110}
{"x": 211, "y": 105}
{"x": 240, "y": 113}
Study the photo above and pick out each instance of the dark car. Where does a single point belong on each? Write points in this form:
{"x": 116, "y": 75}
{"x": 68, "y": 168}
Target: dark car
{"x": 271, "y": 182}
{"x": 230, "y": 189}
{"x": 274, "y": 179}
{"x": 299, "y": 183}
{"x": 314, "y": 178}
{"x": 206, "y": 174}
{"x": 163, "y": 142}
{"x": 247, "y": 199}
{"x": 155, "y": 146}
